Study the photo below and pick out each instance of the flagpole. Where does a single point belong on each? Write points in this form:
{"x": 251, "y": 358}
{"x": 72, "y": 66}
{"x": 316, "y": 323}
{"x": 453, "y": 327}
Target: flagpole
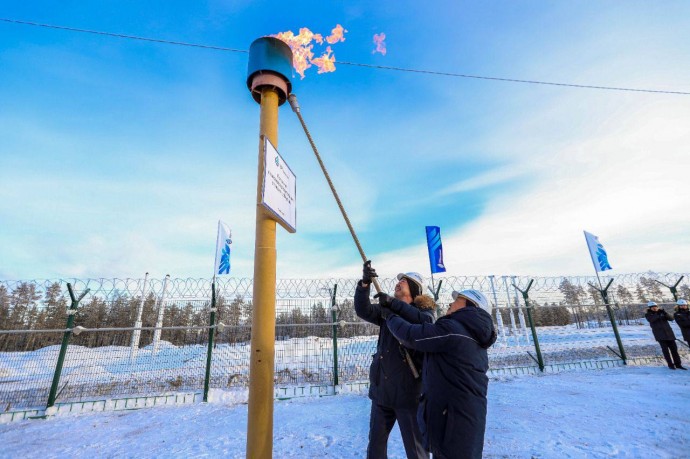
{"x": 609, "y": 310}
{"x": 215, "y": 262}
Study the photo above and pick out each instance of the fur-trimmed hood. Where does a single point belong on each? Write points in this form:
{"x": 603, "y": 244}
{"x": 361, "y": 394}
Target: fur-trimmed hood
{"x": 424, "y": 303}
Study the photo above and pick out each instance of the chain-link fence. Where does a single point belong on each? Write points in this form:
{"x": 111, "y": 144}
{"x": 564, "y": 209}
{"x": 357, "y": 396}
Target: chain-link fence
{"x": 126, "y": 343}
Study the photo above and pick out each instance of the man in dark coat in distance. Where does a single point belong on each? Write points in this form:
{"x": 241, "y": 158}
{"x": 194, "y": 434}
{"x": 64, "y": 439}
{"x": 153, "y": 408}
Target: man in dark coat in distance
{"x": 682, "y": 317}
{"x": 659, "y": 321}
{"x": 394, "y": 388}
{"x": 452, "y": 411}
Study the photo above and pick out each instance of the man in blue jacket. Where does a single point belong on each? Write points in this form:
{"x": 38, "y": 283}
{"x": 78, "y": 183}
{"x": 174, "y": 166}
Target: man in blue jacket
{"x": 452, "y": 410}
{"x": 394, "y": 379}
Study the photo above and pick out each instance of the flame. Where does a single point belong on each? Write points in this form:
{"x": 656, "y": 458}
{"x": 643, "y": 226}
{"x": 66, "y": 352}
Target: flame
{"x": 379, "y": 40}
{"x": 325, "y": 63}
{"x": 337, "y": 34}
{"x": 302, "y": 46}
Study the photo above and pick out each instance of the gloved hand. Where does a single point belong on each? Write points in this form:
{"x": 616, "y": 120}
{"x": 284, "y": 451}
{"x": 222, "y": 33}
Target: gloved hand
{"x": 368, "y": 273}
{"x": 385, "y": 300}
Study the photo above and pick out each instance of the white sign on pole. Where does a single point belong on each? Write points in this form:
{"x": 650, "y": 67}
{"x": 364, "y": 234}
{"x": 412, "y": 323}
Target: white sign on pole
{"x": 279, "y": 188}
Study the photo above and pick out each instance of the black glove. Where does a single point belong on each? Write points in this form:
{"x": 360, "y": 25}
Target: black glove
{"x": 385, "y": 300}
{"x": 368, "y": 273}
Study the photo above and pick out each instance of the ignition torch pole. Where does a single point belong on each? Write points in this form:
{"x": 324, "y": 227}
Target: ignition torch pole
{"x": 269, "y": 70}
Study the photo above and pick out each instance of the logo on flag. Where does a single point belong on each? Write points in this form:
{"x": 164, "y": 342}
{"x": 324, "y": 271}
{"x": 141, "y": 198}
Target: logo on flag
{"x": 223, "y": 241}
{"x": 600, "y": 258}
{"x": 433, "y": 242}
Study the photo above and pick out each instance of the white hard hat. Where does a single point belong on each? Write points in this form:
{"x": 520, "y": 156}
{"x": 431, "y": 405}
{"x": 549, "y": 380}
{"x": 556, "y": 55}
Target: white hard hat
{"x": 414, "y": 277}
{"x": 651, "y": 304}
{"x": 476, "y": 297}
{"x": 682, "y": 302}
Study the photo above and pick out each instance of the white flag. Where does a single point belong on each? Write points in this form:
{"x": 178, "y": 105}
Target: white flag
{"x": 597, "y": 252}
{"x": 223, "y": 241}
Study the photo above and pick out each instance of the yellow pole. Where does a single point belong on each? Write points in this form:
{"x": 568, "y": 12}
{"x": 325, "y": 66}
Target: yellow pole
{"x": 262, "y": 359}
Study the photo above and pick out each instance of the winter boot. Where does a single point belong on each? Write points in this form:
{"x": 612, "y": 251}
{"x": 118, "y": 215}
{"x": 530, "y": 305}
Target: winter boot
{"x": 680, "y": 367}
{"x": 671, "y": 367}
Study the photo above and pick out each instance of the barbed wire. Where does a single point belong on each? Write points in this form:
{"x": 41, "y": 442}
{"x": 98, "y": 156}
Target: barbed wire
{"x": 498, "y": 288}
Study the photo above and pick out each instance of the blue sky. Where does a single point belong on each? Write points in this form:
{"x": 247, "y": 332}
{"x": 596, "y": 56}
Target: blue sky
{"x": 119, "y": 156}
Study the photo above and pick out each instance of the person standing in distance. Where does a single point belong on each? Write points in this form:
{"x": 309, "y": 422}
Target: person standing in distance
{"x": 394, "y": 388}
{"x": 452, "y": 411}
{"x": 659, "y": 321}
{"x": 682, "y": 317}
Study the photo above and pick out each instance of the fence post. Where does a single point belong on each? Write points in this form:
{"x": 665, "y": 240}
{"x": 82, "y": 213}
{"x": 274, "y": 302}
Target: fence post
{"x": 499, "y": 317}
{"x": 521, "y": 315}
{"x": 673, "y": 288}
{"x": 65, "y": 341}
{"x": 136, "y": 334}
{"x": 211, "y": 331}
{"x": 159, "y": 321}
{"x": 513, "y": 327}
{"x": 525, "y": 296}
{"x": 335, "y": 336}
{"x": 612, "y": 318}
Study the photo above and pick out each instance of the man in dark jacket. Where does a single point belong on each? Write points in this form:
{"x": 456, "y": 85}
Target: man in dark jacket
{"x": 682, "y": 317}
{"x": 452, "y": 411}
{"x": 658, "y": 319}
{"x": 394, "y": 389}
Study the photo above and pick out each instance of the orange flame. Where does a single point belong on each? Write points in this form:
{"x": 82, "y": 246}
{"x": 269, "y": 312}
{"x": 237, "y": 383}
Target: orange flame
{"x": 325, "y": 63}
{"x": 379, "y": 40}
{"x": 303, "y": 48}
{"x": 337, "y": 34}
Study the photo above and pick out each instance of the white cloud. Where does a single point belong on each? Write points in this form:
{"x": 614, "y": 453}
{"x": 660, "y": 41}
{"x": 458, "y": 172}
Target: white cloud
{"x": 626, "y": 183}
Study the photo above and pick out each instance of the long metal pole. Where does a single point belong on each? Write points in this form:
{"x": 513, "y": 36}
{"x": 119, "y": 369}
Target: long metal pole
{"x": 335, "y": 336}
{"x": 136, "y": 334}
{"x": 499, "y": 317}
{"x": 262, "y": 359}
{"x": 65, "y": 340}
{"x": 612, "y": 318}
{"x": 211, "y": 331}
{"x": 159, "y": 320}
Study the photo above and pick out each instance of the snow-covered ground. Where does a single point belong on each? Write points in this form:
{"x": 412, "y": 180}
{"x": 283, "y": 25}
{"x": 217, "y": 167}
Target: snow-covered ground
{"x": 630, "y": 412}
{"x": 111, "y": 371}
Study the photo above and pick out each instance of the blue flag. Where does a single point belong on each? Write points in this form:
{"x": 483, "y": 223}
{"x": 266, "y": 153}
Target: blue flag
{"x": 433, "y": 242}
{"x": 223, "y": 241}
{"x": 599, "y": 256}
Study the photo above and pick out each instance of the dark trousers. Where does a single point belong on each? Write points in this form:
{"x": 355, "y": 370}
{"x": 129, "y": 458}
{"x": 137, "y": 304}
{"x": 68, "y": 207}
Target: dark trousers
{"x": 381, "y": 423}
{"x": 670, "y": 345}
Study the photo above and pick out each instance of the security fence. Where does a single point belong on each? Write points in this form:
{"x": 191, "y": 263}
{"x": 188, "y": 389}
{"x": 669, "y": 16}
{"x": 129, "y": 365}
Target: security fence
{"x": 128, "y": 344}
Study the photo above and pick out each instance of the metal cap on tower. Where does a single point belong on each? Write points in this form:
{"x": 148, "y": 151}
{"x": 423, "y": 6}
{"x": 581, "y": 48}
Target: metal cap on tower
{"x": 270, "y": 64}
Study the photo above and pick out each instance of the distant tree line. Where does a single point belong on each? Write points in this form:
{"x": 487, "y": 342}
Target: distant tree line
{"x": 26, "y": 308}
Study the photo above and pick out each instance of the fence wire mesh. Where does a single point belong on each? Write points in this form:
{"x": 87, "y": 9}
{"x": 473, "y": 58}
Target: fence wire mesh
{"x": 140, "y": 342}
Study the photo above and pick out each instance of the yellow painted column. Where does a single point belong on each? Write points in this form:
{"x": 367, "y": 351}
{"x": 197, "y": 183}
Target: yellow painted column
{"x": 262, "y": 359}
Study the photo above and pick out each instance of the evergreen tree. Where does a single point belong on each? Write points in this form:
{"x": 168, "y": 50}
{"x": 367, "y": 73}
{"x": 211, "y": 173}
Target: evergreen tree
{"x": 4, "y": 308}
{"x": 572, "y": 294}
{"x": 623, "y": 295}
{"x": 683, "y": 293}
{"x": 23, "y": 305}
{"x": 4, "y": 318}
{"x": 653, "y": 289}
{"x": 640, "y": 293}
{"x": 595, "y": 295}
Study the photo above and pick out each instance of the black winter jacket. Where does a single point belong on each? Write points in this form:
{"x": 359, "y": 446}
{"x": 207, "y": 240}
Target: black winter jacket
{"x": 452, "y": 411}
{"x": 659, "y": 322}
{"x": 391, "y": 382}
{"x": 682, "y": 317}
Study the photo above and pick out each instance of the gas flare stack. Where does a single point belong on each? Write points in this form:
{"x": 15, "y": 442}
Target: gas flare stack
{"x": 268, "y": 80}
